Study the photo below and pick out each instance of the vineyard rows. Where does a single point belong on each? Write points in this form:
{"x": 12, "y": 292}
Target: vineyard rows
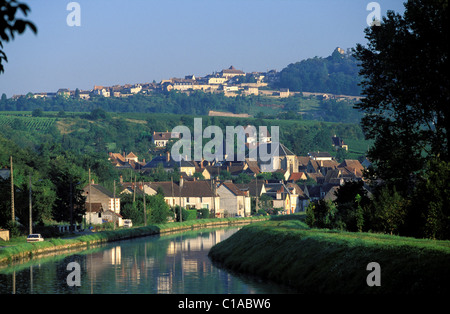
{"x": 41, "y": 124}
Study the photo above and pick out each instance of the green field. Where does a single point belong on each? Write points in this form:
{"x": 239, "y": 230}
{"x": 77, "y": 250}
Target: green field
{"x": 330, "y": 261}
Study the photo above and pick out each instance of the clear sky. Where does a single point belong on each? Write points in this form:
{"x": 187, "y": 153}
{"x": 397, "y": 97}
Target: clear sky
{"x": 138, "y": 41}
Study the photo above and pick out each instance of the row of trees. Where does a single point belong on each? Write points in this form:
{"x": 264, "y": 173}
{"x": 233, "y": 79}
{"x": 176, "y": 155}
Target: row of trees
{"x": 421, "y": 214}
{"x": 197, "y": 103}
{"x": 406, "y": 113}
{"x": 57, "y": 180}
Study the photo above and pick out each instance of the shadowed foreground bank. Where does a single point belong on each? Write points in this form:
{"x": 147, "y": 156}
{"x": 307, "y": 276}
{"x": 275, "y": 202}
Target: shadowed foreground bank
{"x": 329, "y": 261}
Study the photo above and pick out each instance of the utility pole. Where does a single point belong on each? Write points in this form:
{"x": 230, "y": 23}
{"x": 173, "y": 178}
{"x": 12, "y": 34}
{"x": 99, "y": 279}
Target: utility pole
{"x": 214, "y": 182}
{"x": 114, "y": 200}
{"x": 256, "y": 194}
{"x": 179, "y": 193}
{"x": 13, "y": 218}
{"x": 31, "y": 207}
{"x": 173, "y": 198}
{"x": 134, "y": 189}
{"x": 90, "y": 204}
{"x": 145, "y": 209}
{"x": 71, "y": 205}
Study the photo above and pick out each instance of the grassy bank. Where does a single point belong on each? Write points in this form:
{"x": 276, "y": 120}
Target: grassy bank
{"x": 326, "y": 261}
{"x": 26, "y": 250}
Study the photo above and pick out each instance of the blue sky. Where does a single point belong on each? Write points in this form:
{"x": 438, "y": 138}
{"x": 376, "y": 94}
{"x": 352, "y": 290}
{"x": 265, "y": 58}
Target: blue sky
{"x": 138, "y": 41}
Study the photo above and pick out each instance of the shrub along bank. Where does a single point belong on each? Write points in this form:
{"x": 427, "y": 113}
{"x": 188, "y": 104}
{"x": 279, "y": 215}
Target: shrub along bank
{"x": 329, "y": 261}
{"x": 28, "y": 250}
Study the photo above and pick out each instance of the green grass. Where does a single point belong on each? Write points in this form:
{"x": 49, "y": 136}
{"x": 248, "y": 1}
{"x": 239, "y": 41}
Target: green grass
{"x": 330, "y": 261}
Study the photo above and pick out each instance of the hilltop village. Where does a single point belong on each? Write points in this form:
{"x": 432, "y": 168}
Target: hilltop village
{"x": 230, "y": 82}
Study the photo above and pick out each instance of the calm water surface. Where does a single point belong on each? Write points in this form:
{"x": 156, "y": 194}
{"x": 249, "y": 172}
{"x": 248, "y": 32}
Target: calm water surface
{"x": 175, "y": 264}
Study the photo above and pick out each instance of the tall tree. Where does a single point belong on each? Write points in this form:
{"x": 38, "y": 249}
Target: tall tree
{"x": 10, "y": 25}
{"x": 406, "y": 89}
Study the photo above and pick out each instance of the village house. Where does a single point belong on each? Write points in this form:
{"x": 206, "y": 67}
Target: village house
{"x": 282, "y": 197}
{"x": 85, "y": 95}
{"x": 201, "y": 169}
{"x": 233, "y": 201}
{"x": 351, "y": 170}
{"x": 96, "y": 215}
{"x": 302, "y": 163}
{"x": 101, "y": 205}
{"x": 101, "y": 91}
{"x": 316, "y": 176}
{"x": 64, "y": 92}
{"x": 338, "y": 142}
{"x": 182, "y": 84}
{"x": 283, "y": 158}
{"x": 126, "y": 161}
{"x": 322, "y": 166}
{"x": 251, "y": 90}
{"x": 256, "y": 188}
{"x": 297, "y": 176}
{"x": 231, "y": 72}
{"x": 160, "y": 139}
{"x": 300, "y": 200}
{"x": 283, "y": 93}
{"x": 168, "y": 164}
{"x": 320, "y": 156}
{"x": 198, "y": 194}
{"x": 99, "y": 194}
{"x": 216, "y": 80}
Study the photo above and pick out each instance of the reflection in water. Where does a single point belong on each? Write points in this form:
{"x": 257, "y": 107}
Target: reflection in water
{"x": 176, "y": 263}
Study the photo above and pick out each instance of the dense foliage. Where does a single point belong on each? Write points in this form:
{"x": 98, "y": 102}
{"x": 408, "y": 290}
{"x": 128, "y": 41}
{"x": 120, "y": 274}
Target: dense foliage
{"x": 405, "y": 77}
{"x": 336, "y": 74}
{"x": 196, "y": 103}
{"x": 61, "y": 152}
{"x": 425, "y": 213}
{"x": 406, "y": 113}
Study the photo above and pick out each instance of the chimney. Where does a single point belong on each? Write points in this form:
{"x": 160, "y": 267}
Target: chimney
{"x": 181, "y": 181}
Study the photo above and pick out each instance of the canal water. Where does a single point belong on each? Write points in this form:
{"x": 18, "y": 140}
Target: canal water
{"x": 175, "y": 263}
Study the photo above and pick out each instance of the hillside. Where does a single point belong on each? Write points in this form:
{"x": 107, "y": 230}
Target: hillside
{"x": 336, "y": 74}
{"x": 101, "y": 132}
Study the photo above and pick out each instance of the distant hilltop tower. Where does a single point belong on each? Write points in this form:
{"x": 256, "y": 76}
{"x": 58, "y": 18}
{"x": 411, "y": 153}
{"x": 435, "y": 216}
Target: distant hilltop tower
{"x": 340, "y": 50}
